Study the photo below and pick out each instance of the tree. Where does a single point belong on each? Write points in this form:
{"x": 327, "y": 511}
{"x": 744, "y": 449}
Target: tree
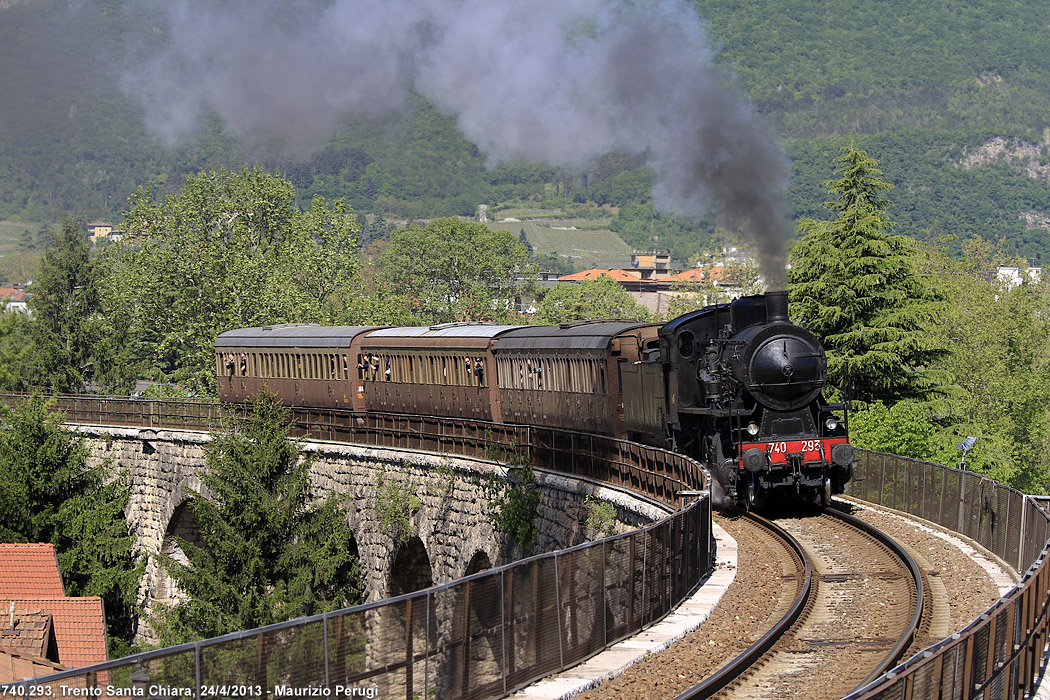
{"x": 600, "y": 298}
{"x": 14, "y": 347}
{"x": 457, "y": 270}
{"x": 48, "y": 493}
{"x": 856, "y": 286}
{"x": 228, "y": 250}
{"x": 266, "y": 553}
{"x": 65, "y": 328}
{"x": 999, "y": 338}
{"x": 740, "y": 278}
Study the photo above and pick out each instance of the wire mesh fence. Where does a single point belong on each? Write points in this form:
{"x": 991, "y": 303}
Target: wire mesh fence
{"x": 478, "y": 637}
{"x": 999, "y": 655}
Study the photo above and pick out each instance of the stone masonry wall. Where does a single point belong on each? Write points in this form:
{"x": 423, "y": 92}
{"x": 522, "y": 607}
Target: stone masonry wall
{"x": 165, "y": 469}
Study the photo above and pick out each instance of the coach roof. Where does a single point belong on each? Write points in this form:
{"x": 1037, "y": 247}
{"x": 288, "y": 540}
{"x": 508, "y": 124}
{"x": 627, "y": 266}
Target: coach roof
{"x": 291, "y": 335}
{"x": 581, "y": 334}
{"x": 445, "y": 330}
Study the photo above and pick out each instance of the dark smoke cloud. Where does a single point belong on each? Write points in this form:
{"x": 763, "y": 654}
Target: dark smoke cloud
{"x": 553, "y": 81}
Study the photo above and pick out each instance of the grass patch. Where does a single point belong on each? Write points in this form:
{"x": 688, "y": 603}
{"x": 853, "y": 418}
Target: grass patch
{"x": 590, "y": 247}
{"x": 11, "y": 232}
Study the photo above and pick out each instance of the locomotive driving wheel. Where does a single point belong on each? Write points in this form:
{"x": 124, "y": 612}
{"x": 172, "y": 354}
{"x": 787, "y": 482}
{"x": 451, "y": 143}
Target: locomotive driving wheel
{"x": 745, "y": 493}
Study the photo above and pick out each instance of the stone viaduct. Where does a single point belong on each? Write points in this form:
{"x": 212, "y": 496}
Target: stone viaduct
{"x": 450, "y": 533}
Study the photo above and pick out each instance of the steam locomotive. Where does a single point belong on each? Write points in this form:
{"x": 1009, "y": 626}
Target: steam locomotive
{"x": 737, "y": 385}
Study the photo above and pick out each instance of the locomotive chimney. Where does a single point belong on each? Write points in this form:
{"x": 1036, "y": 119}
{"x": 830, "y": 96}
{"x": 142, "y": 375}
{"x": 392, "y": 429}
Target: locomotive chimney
{"x": 776, "y": 306}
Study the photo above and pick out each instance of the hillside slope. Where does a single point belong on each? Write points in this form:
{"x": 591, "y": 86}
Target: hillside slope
{"x": 953, "y": 100}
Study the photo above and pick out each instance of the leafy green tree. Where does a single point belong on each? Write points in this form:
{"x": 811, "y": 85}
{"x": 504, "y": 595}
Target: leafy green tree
{"x": 857, "y": 286}
{"x": 737, "y": 280}
{"x": 457, "y": 270}
{"x": 999, "y": 339}
{"x": 49, "y": 493}
{"x": 65, "y": 328}
{"x": 901, "y": 429}
{"x": 228, "y": 250}
{"x": 600, "y": 298}
{"x": 266, "y": 553}
{"x": 20, "y": 267}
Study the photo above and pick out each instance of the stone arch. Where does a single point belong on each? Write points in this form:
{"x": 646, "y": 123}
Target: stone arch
{"x": 182, "y": 524}
{"x": 479, "y": 562}
{"x": 477, "y": 669}
{"x": 411, "y": 570}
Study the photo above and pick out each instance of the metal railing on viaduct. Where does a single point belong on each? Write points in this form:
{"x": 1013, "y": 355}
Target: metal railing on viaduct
{"x": 492, "y": 632}
{"x": 482, "y": 636}
{"x": 998, "y": 655}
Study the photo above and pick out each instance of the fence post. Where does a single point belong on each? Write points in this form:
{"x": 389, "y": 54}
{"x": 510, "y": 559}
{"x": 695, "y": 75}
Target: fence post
{"x": 557, "y": 610}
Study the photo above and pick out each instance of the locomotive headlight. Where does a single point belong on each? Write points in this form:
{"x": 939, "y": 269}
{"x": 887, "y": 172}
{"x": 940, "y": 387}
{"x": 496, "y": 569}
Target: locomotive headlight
{"x": 752, "y": 429}
{"x": 831, "y": 423}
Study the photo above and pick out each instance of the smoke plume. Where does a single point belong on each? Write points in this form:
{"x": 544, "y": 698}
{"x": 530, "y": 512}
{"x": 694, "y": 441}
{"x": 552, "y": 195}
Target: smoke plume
{"x": 552, "y": 81}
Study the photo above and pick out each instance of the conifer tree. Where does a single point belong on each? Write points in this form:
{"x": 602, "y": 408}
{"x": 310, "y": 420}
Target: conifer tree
{"x": 64, "y": 302}
{"x": 265, "y": 554}
{"x": 856, "y": 285}
{"x": 48, "y": 493}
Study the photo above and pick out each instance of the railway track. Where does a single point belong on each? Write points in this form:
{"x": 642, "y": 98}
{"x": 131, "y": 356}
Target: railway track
{"x": 853, "y": 605}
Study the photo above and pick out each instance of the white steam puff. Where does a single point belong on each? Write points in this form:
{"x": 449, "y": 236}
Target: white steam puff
{"x": 553, "y": 81}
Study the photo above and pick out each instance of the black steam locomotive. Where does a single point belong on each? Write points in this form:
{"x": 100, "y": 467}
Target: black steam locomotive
{"x": 735, "y": 385}
{"x": 745, "y": 386}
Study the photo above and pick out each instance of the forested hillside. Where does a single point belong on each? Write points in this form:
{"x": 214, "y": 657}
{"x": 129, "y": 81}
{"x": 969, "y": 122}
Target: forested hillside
{"x": 923, "y": 86}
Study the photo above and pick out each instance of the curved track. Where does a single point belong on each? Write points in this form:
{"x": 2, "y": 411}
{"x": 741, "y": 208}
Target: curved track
{"x": 858, "y": 617}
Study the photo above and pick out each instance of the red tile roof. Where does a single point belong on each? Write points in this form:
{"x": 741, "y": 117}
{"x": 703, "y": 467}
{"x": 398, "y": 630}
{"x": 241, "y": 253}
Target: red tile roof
{"x": 12, "y": 294}
{"x": 618, "y": 275}
{"x": 79, "y": 624}
{"x": 28, "y": 571}
{"x": 699, "y": 274}
{"x": 29, "y": 635}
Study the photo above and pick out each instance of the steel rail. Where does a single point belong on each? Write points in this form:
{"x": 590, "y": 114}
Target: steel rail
{"x": 735, "y": 668}
{"x": 896, "y": 654}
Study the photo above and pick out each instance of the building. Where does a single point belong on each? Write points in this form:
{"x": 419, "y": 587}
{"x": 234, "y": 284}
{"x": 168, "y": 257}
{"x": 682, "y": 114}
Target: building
{"x": 654, "y": 286}
{"x": 99, "y": 229}
{"x": 1014, "y": 276}
{"x": 42, "y": 630}
{"x": 16, "y": 298}
{"x": 652, "y": 266}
